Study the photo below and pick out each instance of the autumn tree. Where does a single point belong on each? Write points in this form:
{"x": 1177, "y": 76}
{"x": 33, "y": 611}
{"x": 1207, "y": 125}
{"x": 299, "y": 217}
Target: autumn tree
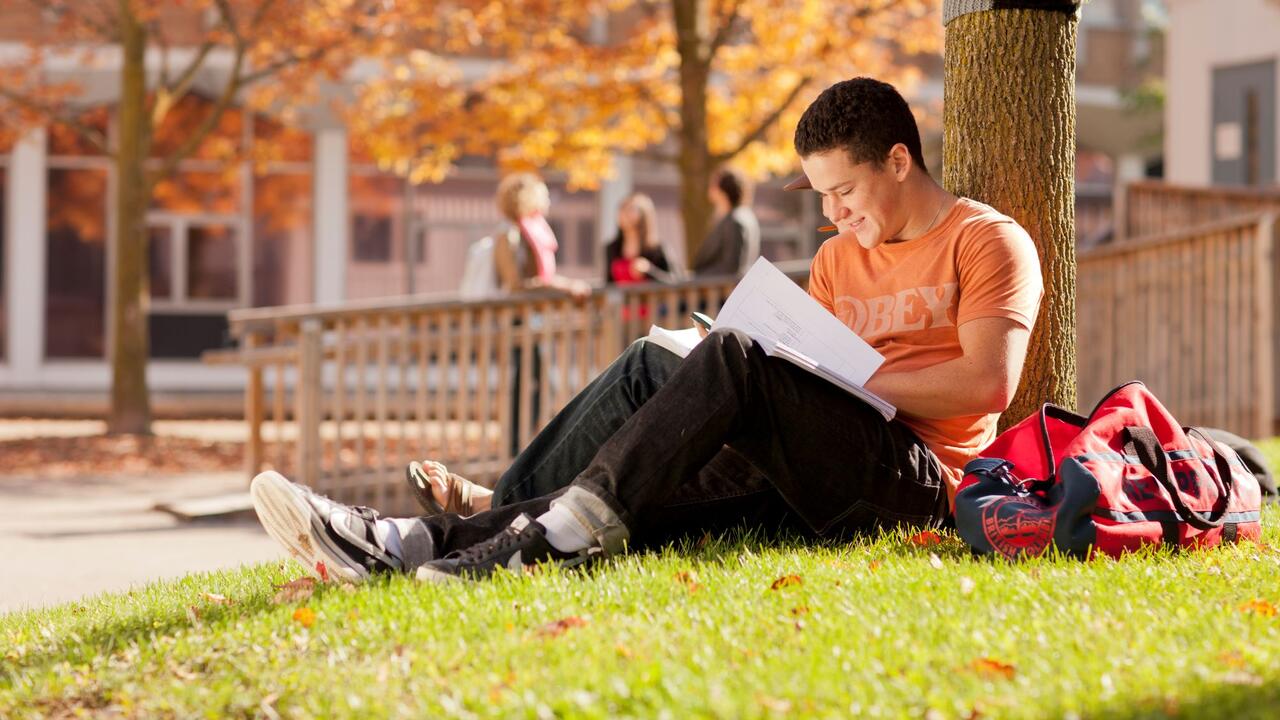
{"x": 1009, "y": 140}
{"x": 291, "y": 42}
{"x": 567, "y": 84}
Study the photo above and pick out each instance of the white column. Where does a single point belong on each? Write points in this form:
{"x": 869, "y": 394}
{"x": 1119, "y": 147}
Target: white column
{"x": 612, "y": 192}
{"x": 28, "y": 184}
{"x": 1130, "y": 167}
{"x": 332, "y": 217}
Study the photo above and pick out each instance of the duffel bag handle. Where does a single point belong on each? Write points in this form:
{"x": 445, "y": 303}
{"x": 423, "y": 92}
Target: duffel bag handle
{"x": 1146, "y": 446}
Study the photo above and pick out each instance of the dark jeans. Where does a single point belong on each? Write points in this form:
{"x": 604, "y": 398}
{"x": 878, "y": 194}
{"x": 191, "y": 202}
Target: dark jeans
{"x": 649, "y": 436}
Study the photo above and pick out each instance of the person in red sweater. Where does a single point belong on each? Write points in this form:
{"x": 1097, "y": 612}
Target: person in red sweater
{"x": 635, "y": 255}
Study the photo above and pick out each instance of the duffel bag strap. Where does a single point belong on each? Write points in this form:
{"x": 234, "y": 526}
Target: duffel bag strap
{"x": 1142, "y": 442}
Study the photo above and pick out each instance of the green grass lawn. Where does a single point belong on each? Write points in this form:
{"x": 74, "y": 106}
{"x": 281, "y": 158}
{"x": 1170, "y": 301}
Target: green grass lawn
{"x": 733, "y": 628}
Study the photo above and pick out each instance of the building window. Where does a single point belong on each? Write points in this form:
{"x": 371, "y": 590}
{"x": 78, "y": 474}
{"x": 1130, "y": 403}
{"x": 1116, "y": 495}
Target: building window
{"x": 371, "y": 238}
{"x": 196, "y": 234}
{"x": 76, "y": 236}
{"x": 282, "y": 259}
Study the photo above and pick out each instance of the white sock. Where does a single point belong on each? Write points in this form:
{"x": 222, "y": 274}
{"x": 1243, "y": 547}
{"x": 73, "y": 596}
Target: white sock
{"x": 390, "y": 535}
{"x": 564, "y": 531}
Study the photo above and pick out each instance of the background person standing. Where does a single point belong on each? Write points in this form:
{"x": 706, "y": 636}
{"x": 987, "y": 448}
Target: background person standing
{"x": 734, "y": 241}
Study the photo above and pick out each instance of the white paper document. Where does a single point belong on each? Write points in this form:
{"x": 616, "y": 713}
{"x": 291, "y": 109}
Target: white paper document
{"x": 789, "y": 324}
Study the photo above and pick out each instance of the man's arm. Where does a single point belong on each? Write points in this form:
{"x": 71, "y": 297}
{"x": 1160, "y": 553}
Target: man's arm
{"x": 982, "y": 380}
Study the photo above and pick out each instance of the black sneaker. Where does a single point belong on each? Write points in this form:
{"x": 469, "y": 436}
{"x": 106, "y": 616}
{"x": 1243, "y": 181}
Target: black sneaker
{"x": 332, "y": 541}
{"x": 521, "y": 544}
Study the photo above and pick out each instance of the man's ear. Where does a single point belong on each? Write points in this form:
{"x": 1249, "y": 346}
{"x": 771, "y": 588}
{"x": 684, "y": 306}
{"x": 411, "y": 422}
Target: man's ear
{"x": 899, "y": 161}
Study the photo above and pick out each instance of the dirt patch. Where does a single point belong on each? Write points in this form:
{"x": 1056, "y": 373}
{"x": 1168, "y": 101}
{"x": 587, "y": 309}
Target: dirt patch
{"x": 105, "y": 455}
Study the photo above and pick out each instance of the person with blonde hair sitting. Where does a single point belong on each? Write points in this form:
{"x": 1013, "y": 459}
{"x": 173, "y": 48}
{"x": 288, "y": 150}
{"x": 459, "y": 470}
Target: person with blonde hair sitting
{"x": 525, "y": 251}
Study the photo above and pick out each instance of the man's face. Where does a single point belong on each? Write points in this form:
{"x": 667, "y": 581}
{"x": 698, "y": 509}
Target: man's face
{"x": 861, "y": 198}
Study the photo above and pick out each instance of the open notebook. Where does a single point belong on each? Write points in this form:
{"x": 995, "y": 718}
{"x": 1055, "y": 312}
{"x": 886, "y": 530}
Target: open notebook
{"x": 789, "y": 324}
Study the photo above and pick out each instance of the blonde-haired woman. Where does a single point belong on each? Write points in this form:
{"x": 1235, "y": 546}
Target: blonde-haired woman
{"x": 524, "y": 258}
{"x": 525, "y": 251}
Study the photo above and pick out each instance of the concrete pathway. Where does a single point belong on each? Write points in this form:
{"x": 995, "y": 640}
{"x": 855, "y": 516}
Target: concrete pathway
{"x": 62, "y": 540}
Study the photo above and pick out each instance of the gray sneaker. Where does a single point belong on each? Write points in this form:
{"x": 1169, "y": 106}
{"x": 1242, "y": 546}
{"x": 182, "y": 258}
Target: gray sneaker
{"x": 332, "y": 540}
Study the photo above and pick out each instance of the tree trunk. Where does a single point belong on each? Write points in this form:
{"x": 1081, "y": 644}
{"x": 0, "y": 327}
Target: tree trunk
{"x": 693, "y": 38}
{"x": 130, "y": 404}
{"x": 1009, "y": 141}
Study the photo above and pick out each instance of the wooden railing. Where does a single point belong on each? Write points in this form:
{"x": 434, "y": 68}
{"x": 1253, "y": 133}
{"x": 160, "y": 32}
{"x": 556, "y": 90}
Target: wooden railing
{"x": 1191, "y": 314}
{"x": 1154, "y": 208}
{"x": 342, "y": 399}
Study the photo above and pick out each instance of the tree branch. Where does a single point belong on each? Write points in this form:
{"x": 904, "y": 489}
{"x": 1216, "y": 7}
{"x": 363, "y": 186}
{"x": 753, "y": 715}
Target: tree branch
{"x": 725, "y": 30}
{"x": 188, "y": 76}
{"x": 763, "y": 126}
{"x": 207, "y": 125}
{"x": 95, "y": 137}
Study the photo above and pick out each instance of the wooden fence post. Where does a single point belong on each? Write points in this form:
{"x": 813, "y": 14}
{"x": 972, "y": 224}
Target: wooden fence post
{"x": 254, "y": 401}
{"x": 1264, "y": 267}
{"x": 311, "y": 357}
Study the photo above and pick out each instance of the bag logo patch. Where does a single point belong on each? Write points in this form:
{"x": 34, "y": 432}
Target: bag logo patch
{"x": 1017, "y": 526}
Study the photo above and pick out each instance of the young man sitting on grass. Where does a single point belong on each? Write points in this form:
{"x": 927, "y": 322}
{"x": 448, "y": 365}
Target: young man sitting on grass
{"x": 947, "y": 289}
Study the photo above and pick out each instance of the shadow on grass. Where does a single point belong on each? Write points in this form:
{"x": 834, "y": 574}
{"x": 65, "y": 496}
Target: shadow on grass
{"x": 1238, "y": 696}
{"x": 196, "y": 610}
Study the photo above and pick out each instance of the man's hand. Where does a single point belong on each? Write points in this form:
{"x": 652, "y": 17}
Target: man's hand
{"x": 982, "y": 380}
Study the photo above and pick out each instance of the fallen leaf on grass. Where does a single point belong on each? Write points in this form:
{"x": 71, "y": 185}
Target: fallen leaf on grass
{"x": 785, "y": 581}
{"x": 561, "y": 626}
{"x": 1259, "y": 606}
{"x": 799, "y": 610}
{"x": 874, "y": 565}
{"x": 217, "y": 599}
{"x": 935, "y": 561}
{"x": 495, "y": 692}
{"x": 991, "y": 667}
{"x": 777, "y": 705}
{"x": 1231, "y": 658}
{"x": 1241, "y": 677}
{"x": 305, "y": 615}
{"x": 689, "y": 580}
{"x": 926, "y": 538}
{"x": 294, "y": 590}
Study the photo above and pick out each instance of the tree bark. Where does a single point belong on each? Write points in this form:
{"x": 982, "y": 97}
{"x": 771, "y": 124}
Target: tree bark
{"x": 693, "y": 42}
{"x": 130, "y": 403}
{"x": 1009, "y": 141}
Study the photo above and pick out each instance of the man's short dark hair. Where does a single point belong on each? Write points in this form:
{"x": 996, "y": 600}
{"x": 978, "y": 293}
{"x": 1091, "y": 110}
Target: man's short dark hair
{"x": 862, "y": 116}
{"x": 734, "y": 184}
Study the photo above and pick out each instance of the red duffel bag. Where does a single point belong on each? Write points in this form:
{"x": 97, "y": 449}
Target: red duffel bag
{"x": 1126, "y": 476}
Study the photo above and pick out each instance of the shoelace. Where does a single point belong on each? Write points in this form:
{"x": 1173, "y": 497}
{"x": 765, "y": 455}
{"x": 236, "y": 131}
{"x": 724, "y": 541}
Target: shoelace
{"x": 475, "y": 553}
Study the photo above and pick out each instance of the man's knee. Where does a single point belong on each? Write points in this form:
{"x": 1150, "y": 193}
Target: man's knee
{"x": 730, "y": 340}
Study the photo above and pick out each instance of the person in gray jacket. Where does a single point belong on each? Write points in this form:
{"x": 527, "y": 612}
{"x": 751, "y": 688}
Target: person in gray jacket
{"x": 734, "y": 241}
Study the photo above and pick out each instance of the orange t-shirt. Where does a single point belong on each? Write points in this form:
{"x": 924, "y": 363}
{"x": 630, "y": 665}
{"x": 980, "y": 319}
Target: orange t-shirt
{"x": 907, "y": 299}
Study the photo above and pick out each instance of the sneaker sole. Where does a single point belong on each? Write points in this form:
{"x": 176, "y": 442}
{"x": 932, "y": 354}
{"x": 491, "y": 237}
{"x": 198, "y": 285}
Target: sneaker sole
{"x": 291, "y": 522}
{"x": 429, "y": 575}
